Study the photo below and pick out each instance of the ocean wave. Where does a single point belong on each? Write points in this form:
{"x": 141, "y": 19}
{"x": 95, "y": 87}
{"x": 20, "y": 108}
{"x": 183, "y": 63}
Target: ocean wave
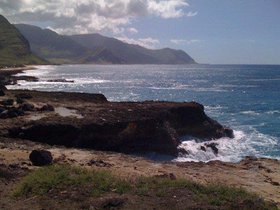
{"x": 272, "y": 112}
{"x": 250, "y": 112}
{"x": 229, "y": 150}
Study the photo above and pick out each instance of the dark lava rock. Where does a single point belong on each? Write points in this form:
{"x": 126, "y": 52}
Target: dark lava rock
{"x": 7, "y": 102}
{"x": 213, "y": 146}
{"x": 23, "y": 96}
{"x": 2, "y": 109}
{"x": 27, "y": 107}
{"x": 112, "y": 126}
{"x": 2, "y": 86}
{"x": 203, "y": 148}
{"x": 228, "y": 132}
{"x": 182, "y": 151}
{"x": 11, "y": 113}
{"x": 47, "y": 108}
{"x": 2, "y": 93}
{"x": 14, "y": 112}
{"x": 41, "y": 157}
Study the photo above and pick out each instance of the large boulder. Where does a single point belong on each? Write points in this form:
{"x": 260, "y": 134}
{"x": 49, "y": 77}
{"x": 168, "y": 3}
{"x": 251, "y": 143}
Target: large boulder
{"x": 41, "y": 157}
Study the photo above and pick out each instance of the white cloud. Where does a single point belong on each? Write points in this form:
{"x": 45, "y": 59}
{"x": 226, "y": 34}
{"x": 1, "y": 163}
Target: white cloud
{"x": 148, "y": 42}
{"x": 72, "y": 16}
{"x": 191, "y": 14}
{"x": 185, "y": 41}
{"x": 167, "y": 9}
{"x": 132, "y": 30}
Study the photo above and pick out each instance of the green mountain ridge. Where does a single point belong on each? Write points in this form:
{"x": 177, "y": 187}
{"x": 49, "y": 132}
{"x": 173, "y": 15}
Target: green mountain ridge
{"x": 14, "y": 47}
{"x": 95, "y": 48}
{"x": 130, "y": 53}
{"x": 52, "y": 46}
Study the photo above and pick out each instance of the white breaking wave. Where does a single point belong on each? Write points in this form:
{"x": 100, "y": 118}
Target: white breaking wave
{"x": 253, "y": 113}
{"x": 229, "y": 150}
{"x": 273, "y": 112}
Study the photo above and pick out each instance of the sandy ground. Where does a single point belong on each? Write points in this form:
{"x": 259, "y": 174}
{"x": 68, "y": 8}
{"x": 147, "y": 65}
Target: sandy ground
{"x": 261, "y": 176}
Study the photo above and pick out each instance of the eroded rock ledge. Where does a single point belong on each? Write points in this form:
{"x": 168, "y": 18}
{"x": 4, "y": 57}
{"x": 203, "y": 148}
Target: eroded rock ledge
{"x": 114, "y": 126}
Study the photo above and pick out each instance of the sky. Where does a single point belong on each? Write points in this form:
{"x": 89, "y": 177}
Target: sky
{"x": 211, "y": 31}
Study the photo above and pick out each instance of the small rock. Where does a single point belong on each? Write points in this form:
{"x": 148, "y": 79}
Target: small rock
{"x": 7, "y": 102}
{"x": 14, "y": 112}
{"x": 47, "y": 108}
{"x": 20, "y": 100}
{"x": 2, "y": 109}
{"x": 41, "y": 157}
{"x": 182, "y": 151}
{"x": 2, "y": 93}
{"x": 27, "y": 107}
{"x": 213, "y": 146}
{"x": 203, "y": 148}
{"x": 3, "y": 87}
{"x": 229, "y": 132}
{"x": 11, "y": 113}
{"x": 23, "y": 96}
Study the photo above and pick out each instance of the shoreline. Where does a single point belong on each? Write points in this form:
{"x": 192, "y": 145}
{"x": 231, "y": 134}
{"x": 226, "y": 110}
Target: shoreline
{"x": 14, "y": 149}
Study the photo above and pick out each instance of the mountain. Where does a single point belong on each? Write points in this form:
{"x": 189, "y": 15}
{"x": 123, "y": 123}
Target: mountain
{"x": 95, "y": 48}
{"x": 14, "y": 48}
{"x": 130, "y": 53}
{"x": 52, "y": 46}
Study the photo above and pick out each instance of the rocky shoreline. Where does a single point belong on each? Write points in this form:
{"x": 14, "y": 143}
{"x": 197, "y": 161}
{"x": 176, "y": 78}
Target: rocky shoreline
{"x": 60, "y": 122}
{"x": 126, "y": 127}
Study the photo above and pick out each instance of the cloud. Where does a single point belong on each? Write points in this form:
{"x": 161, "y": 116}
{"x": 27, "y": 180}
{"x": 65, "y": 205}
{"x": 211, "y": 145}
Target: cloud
{"x": 72, "y": 16}
{"x": 185, "y": 41}
{"x": 148, "y": 42}
{"x": 167, "y": 9}
{"x": 191, "y": 14}
{"x": 132, "y": 30}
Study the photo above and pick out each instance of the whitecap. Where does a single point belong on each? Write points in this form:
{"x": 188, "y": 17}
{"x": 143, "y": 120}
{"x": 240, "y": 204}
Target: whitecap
{"x": 250, "y": 112}
{"x": 230, "y": 150}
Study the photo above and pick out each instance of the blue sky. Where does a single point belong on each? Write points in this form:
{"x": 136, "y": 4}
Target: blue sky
{"x": 211, "y": 31}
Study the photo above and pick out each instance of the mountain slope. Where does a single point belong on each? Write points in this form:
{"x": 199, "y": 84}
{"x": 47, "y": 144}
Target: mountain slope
{"x": 52, "y": 46}
{"x": 14, "y": 48}
{"x": 132, "y": 54}
{"x": 95, "y": 48}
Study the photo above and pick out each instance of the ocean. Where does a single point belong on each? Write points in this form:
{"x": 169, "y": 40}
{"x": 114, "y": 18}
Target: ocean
{"x": 243, "y": 97}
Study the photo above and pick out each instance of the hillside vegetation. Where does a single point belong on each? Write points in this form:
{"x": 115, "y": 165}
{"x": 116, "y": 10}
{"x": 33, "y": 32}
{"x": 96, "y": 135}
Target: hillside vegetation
{"x": 14, "y": 48}
{"x": 95, "y": 48}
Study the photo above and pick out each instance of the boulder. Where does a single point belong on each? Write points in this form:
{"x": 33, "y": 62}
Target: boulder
{"x": 41, "y": 157}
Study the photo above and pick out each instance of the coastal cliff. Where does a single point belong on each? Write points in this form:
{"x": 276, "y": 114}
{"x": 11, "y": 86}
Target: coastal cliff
{"x": 90, "y": 121}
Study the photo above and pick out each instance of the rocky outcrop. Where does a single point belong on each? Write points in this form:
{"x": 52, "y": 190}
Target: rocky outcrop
{"x": 123, "y": 127}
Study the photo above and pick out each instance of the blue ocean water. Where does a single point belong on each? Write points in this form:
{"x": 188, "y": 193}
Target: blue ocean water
{"x": 243, "y": 97}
